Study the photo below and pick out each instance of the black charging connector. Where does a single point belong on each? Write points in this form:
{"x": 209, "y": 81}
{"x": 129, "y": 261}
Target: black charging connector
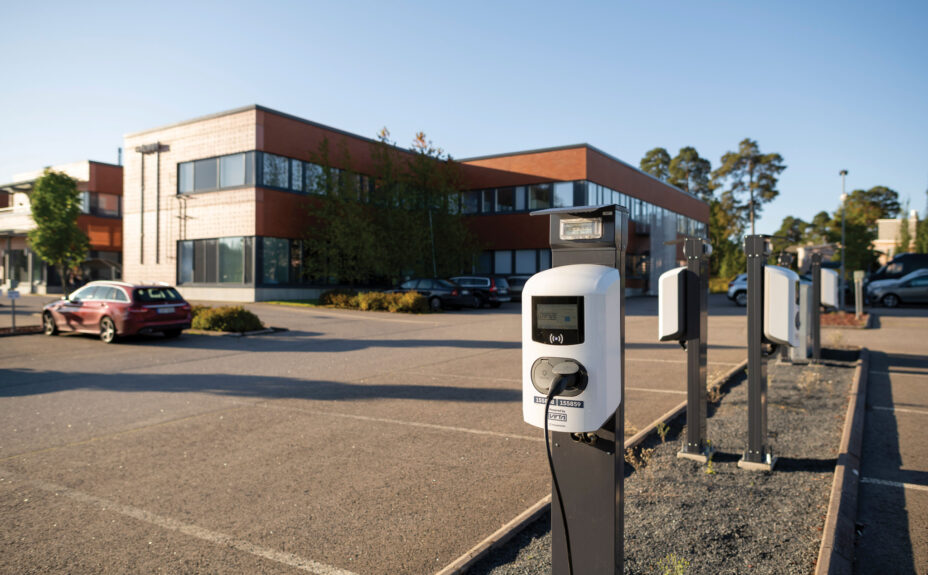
{"x": 565, "y": 378}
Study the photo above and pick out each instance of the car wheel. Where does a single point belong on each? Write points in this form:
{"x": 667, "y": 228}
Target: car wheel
{"x": 890, "y": 300}
{"x": 107, "y": 330}
{"x": 478, "y": 302}
{"x": 172, "y": 333}
{"x": 435, "y": 304}
{"x": 48, "y": 324}
{"x": 741, "y": 298}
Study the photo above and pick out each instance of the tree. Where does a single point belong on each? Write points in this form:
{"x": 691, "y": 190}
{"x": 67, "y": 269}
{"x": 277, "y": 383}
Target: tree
{"x": 56, "y": 239}
{"x": 792, "y": 232}
{"x": 751, "y": 178}
{"x": 818, "y": 231}
{"x": 688, "y": 171}
{"x": 657, "y": 163}
{"x": 868, "y": 206}
{"x": 725, "y": 229}
{"x": 921, "y": 235}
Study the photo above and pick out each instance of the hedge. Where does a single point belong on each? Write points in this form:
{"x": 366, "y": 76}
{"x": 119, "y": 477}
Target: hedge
{"x": 225, "y": 318}
{"x": 409, "y": 302}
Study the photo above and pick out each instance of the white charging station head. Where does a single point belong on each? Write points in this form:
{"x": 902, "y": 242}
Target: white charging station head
{"x": 829, "y": 293}
{"x": 781, "y": 305}
{"x": 671, "y": 304}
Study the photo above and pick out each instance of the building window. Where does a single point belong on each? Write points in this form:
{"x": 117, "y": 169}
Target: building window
{"x": 544, "y": 259}
{"x": 489, "y": 201}
{"x": 232, "y": 171}
{"x": 276, "y": 173}
{"x": 205, "y": 175}
{"x": 525, "y": 261}
{"x": 470, "y": 202}
{"x": 296, "y": 169}
{"x": 315, "y": 178}
{"x": 505, "y": 199}
{"x": 502, "y": 262}
{"x": 210, "y": 261}
{"x": 275, "y": 268}
{"x": 539, "y": 196}
{"x": 563, "y": 194}
{"x": 185, "y": 178}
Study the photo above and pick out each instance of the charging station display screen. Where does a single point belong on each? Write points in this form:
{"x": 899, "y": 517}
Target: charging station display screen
{"x": 557, "y": 320}
{"x": 581, "y": 229}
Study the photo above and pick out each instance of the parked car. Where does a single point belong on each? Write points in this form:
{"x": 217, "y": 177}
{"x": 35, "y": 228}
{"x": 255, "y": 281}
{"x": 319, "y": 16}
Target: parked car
{"x": 738, "y": 290}
{"x": 516, "y": 283}
{"x": 440, "y": 293}
{"x": 871, "y": 287}
{"x": 489, "y": 290}
{"x": 899, "y": 266}
{"x": 115, "y": 309}
{"x": 912, "y": 288}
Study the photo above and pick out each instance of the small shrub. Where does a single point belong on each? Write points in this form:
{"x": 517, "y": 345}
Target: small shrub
{"x": 638, "y": 459}
{"x": 409, "y": 302}
{"x": 340, "y": 298}
{"x": 662, "y": 429}
{"x": 226, "y": 318}
{"x": 197, "y": 310}
{"x": 673, "y": 565}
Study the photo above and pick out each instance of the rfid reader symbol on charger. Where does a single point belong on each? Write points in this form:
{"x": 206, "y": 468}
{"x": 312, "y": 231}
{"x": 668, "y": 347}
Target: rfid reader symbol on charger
{"x": 556, "y": 338}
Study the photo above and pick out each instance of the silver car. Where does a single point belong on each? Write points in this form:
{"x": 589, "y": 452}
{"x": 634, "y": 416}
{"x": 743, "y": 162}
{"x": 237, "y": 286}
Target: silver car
{"x": 912, "y": 288}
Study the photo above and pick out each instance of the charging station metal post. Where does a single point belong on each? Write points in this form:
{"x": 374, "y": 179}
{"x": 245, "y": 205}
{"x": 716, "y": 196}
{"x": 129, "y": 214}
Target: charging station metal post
{"x": 591, "y": 473}
{"x": 696, "y": 251}
{"x": 816, "y": 304}
{"x": 757, "y": 456}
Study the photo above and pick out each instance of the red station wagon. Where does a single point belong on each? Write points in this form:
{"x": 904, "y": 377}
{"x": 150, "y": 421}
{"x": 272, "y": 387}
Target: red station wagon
{"x": 114, "y": 309}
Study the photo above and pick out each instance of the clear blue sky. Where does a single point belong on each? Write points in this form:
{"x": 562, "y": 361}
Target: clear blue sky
{"x": 829, "y": 85}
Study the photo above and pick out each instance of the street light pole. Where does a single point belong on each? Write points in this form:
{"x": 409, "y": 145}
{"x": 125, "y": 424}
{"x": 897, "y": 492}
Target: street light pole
{"x": 843, "y": 282}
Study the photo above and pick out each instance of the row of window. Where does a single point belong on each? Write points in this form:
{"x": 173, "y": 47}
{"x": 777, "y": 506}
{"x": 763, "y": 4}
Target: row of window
{"x": 513, "y": 262}
{"x": 568, "y": 194}
{"x": 273, "y": 171}
{"x": 249, "y": 169}
{"x": 231, "y": 261}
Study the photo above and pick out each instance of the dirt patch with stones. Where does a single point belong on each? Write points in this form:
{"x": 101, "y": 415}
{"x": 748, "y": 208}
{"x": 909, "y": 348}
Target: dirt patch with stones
{"x": 685, "y": 517}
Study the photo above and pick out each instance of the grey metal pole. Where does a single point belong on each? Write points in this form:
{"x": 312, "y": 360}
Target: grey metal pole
{"x": 697, "y": 298}
{"x": 757, "y": 456}
{"x": 858, "y": 293}
{"x": 816, "y": 304}
{"x": 13, "y": 314}
{"x": 843, "y": 282}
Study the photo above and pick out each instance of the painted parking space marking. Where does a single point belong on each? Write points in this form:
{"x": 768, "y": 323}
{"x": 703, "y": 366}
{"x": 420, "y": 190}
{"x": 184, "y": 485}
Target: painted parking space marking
{"x": 189, "y": 529}
{"x": 898, "y": 484}
{"x": 901, "y": 410}
{"x": 423, "y": 425}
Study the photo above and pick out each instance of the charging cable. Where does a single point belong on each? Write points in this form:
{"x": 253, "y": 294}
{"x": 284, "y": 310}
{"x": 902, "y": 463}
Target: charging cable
{"x": 566, "y": 375}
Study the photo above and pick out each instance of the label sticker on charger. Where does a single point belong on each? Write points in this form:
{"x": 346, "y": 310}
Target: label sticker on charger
{"x": 557, "y": 402}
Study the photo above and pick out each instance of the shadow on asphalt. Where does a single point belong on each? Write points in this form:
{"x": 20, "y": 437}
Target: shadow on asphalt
{"x": 296, "y": 342}
{"x": 34, "y": 382}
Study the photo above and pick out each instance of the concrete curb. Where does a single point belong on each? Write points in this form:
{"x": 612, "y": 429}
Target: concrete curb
{"x": 502, "y": 535}
{"x": 836, "y": 554}
{"x": 235, "y": 333}
{"x": 21, "y": 330}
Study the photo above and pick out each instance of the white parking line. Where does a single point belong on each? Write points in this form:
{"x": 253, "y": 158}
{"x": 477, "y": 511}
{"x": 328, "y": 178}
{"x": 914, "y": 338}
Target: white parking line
{"x": 894, "y": 484}
{"x": 409, "y": 423}
{"x": 215, "y": 537}
{"x": 901, "y": 410}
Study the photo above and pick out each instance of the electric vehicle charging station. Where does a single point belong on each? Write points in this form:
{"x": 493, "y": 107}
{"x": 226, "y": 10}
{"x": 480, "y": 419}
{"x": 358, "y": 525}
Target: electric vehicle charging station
{"x": 803, "y": 350}
{"x": 773, "y": 317}
{"x": 829, "y": 297}
{"x": 573, "y": 383}
{"x": 683, "y": 316}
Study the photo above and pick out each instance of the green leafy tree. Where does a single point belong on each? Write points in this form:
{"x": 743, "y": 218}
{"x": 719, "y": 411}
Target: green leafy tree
{"x": 56, "y": 239}
{"x": 725, "y": 230}
{"x": 688, "y": 171}
{"x": 818, "y": 231}
{"x": 657, "y": 163}
{"x": 751, "y": 177}
{"x": 791, "y": 233}
{"x": 921, "y": 235}
{"x": 868, "y": 206}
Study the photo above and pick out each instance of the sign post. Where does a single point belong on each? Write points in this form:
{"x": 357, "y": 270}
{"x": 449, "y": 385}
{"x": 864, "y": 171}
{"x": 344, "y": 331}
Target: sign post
{"x": 858, "y": 293}
{"x": 13, "y": 295}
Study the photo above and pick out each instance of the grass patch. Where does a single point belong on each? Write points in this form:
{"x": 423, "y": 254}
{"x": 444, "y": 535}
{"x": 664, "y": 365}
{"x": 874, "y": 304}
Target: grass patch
{"x": 409, "y": 302}
{"x": 296, "y": 302}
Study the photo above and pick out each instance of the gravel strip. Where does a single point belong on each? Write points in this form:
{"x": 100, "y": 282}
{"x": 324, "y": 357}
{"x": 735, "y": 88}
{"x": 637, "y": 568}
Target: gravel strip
{"x": 728, "y": 520}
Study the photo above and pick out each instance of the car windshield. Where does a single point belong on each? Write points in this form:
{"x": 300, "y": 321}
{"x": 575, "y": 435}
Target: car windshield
{"x": 156, "y": 295}
{"x": 502, "y": 283}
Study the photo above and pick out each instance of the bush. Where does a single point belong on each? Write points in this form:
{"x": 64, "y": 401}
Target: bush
{"x": 226, "y": 318}
{"x": 409, "y": 302}
{"x": 340, "y": 298}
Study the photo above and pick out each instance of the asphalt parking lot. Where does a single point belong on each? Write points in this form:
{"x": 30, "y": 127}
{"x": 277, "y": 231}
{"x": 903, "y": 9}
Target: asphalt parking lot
{"x": 355, "y": 442}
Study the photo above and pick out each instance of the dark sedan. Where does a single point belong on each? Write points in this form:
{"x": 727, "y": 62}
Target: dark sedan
{"x": 441, "y": 293}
